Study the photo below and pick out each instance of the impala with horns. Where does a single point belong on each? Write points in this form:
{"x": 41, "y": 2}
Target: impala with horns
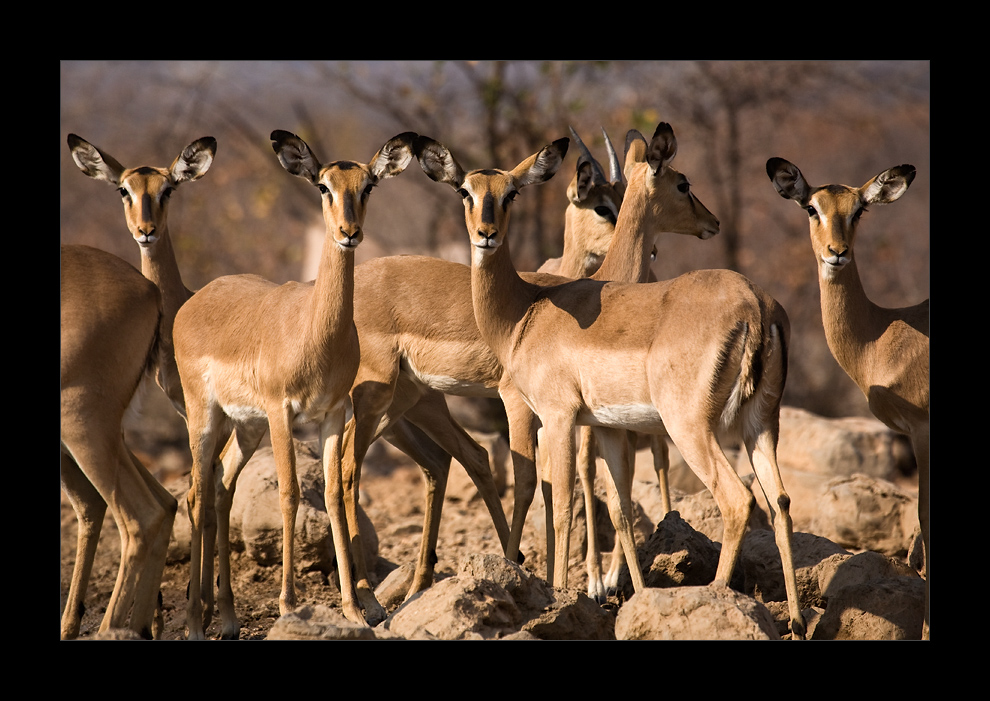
{"x": 667, "y": 205}
{"x": 687, "y": 358}
{"x": 884, "y": 351}
{"x": 255, "y": 357}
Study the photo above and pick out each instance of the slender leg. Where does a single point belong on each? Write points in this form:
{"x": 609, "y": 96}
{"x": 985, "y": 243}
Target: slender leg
{"x": 586, "y": 468}
{"x": 661, "y": 464}
{"x": 203, "y": 424}
{"x": 435, "y": 463}
{"x": 238, "y": 451}
{"x": 763, "y": 456}
{"x": 90, "y": 510}
{"x": 433, "y": 417}
{"x": 559, "y": 436}
{"x": 331, "y": 436}
{"x": 522, "y": 444}
{"x": 615, "y": 448}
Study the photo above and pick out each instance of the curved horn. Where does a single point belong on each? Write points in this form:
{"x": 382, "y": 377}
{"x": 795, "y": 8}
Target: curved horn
{"x": 598, "y": 176}
{"x": 613, "y": 160}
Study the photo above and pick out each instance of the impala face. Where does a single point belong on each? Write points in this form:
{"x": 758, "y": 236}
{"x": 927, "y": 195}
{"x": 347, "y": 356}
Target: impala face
{"x": 344, "y": 186}
{"x": 487, "y": 193}
{"x": 667, "y": 191}
{"x": 835, "y": 210}
{"x": 145, "y": 190}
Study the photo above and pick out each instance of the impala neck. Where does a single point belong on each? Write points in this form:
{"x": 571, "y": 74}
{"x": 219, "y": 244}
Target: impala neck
{"x": 848, "y": 317}
{"x": 158, "y": 265}
{"x": 628, "y": 257}
{"x": 501, "y": 298}
{"x": 331, "y": 311}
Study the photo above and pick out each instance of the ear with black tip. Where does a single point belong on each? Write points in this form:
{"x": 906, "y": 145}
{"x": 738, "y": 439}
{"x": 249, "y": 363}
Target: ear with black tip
{"x": 889, "y": 185}
{"x": 788, "y": 181}
{"x": 295, "y": 156}
{"x": 662, "y": 148}
{"x": 194, "y": 161}
{"x": 437, "y": 162}
{"x": 541, "y": 166}
{"x": 394, "y": 156}
{"x": 94, "y": 162}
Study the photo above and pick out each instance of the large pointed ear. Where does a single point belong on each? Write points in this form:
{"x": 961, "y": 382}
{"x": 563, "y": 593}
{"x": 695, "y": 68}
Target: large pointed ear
{"x": 635, "y": 151}
{"x": 542, "y": 165}
{"x": 788, "y": 181}
{"x": 394, "y": 156}
{"x": 295, "y": 156}
{"x": 94, "y": 162}
{"x": 583, "y": 182}
{"x": 194, "y": 161}
{"x": 437, "y": 162}
{"x": 889, "y": 185}
{"x": 662, "y": 149}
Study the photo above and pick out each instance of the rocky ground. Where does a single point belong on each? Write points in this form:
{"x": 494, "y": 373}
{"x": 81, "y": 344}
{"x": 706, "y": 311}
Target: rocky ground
{"x": 392, "y": 497}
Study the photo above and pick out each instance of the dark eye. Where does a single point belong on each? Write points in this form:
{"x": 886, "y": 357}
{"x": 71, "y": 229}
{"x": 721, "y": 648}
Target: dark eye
{"x": 509, "y": 197}
{"x": 463, "y": 193}
{"x": 367, "y": 192}
{"x": 812, "y": 212}
{"x": 167, "y": 193}
{"x": 605, "y": 213}
{"x": 124, "y": 193}
{"x": 859, "y": 212}
{"x": 684, "y": 188}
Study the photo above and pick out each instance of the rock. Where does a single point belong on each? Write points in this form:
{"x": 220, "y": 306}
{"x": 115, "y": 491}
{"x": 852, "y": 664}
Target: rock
{"x": 694, "y": 613}
{"x": 841, "y": 447}
{"x": 457, "y": 608}
{"x": 763, "y": 572}
{"x": 865, "y": 513}
{"x": 675, "y": 555}
{"x": 492, "y": 598}
{"x": 884, "y": 609}
{"x": 317, "y": 623}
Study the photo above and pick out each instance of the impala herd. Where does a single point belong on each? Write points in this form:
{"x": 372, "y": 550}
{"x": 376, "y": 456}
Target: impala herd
{"x": 590, "y": 341}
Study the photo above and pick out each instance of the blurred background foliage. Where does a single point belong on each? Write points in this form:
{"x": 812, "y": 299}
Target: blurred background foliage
{"x": 838, "y": 121}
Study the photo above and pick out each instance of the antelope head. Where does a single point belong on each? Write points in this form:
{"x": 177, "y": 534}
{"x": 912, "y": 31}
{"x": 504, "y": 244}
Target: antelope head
{"x": 662, "y": 188}
{"x": 145, "y": 189}
{"x": 487, "y": 193}
{"x": 345, "y": 186}
{"x": 834, "y": 211}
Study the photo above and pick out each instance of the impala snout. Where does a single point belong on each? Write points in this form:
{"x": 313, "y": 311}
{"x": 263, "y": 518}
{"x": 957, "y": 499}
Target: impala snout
{"x": 710, "y": 231}
{"x": 350, "y": 238}
{"x": 837, "y": 256}
{"x": 486, "y": 238}
{"x": 146, "y": 235}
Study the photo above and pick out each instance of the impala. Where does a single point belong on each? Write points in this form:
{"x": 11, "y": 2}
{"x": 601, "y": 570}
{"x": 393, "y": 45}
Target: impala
{"x": 687, "y": 358}
{"x": 146, "y": 192}
{"x": 256, "y": 356}
{"x": 109, "y": 334}
{"x": 884, "y": 351}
